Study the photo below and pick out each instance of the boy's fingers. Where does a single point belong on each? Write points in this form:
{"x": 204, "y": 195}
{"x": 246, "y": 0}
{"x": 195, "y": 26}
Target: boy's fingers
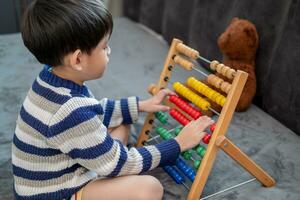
{"x": 161, "y": 94}
{"x": 162, "y": 108}
{"x": 205, "y": 119}
{"x": 167, "y": 91}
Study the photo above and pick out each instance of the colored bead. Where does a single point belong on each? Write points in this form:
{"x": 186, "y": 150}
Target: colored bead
{"x": 191, "y": 96}
{"x": 206, "y": 138}
{"x": 201, "y": 151}
{"x": 185, "y": 169}
{"x": 163, "y": 133}
{"x": 175, "y": 175}
{"x": 187, "y": 154}
{"x": 177, "y": 131}
{"x": 179, "y": 117}
{"x": 213, "y": 64}
{"x": 206, "y": 91}
{"x": 168, "y": 136}
{"x": 212, "y": 128}
{"x": 162, "y": 117}
{"x": 183, "y": 105}
{"x": 197, "y": 163}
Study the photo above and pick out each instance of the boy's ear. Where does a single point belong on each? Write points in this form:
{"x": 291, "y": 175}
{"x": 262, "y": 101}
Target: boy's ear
{"x": 76, "y": 60}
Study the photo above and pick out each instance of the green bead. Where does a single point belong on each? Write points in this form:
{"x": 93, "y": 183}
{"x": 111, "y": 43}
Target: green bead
{"x": 187, "y": 154}
{"x": 164, "y": 136}
{"x": 163, "y": 133}
{"x": 196, "y": 147}
{"x": 158, "y": 130}
{"x": 200, "y": 151}
{"x": 197, "y": 163}
{"x": 168, "y": 136}
{"x": 162, "y": 117}
{"x": 164, "y": 120}
{"x": 177, "y": 131}
{"x": 157, "y": 114}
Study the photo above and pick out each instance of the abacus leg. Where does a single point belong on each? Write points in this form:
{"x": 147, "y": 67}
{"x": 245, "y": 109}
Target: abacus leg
{"x": 241, "y": 158}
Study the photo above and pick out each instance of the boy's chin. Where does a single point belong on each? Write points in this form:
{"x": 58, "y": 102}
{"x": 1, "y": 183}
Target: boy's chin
{"x": 95, "y": 77}
{"x": 99, "y": 75}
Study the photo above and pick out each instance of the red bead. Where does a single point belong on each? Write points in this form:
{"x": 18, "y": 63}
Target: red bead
{"x": 197, "y": 115}
{"x": 212, "y": 127}
{"x": 179, "y": 117}
{"x": 206, "y": 138}
{"x": 185, "y": 106}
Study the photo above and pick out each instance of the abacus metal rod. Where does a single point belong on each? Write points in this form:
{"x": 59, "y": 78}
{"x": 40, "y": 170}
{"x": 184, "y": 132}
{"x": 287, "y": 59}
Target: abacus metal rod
{"x": 174, "y": 128}
{"x": 204, "y": 59}
{"x": 198, "y": 70}
{"x": 152, "y": 138}
{"x": 227, "y": 189}
{"x": 186, "y": 187}
{"x": 214, "y": 111}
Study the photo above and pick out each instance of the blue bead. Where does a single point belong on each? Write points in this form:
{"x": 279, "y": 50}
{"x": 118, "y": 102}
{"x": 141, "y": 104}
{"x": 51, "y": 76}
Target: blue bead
{"x": 174, "y": 174}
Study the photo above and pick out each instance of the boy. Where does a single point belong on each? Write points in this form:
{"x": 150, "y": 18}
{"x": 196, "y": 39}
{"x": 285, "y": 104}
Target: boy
{"x": 62, "y": 148}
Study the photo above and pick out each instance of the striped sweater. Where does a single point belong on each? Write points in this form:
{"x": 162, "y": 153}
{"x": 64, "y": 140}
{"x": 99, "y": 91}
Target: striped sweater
{"x": 61, "y": 140}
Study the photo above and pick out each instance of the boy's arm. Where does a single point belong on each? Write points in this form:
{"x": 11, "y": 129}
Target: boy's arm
{"x": 117, "y": 112}
{"x": 77, "y": 131}
{"x": 126, "y": 111}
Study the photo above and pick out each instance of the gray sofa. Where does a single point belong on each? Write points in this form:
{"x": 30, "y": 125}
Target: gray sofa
{"x": 200, "y": 22}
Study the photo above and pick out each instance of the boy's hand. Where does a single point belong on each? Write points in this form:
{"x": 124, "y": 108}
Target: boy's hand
{"x": 153, "y": 104}
{"x": 192, "y": 134}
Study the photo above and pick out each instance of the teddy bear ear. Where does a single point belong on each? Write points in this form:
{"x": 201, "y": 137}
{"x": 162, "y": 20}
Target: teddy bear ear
{"x": 249, "y": 31}
{"x": 234, "y": 20}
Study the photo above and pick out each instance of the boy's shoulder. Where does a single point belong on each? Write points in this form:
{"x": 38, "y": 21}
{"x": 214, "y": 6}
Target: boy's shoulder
{"x": 55, "y": 96}
{"x": 77, "y": 108}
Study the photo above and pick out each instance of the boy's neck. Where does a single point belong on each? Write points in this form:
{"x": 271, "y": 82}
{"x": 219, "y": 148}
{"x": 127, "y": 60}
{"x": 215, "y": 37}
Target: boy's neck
{"x": 66, "y": 73}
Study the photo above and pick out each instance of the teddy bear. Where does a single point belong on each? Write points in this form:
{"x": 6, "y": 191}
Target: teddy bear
{"x": 238, "y": 44}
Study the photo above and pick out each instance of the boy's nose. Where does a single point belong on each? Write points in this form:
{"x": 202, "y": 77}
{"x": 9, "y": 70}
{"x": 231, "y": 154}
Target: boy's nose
{"x": 108, "y": 50}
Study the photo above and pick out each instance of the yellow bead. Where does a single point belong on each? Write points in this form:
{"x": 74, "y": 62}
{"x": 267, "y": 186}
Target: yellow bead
{"x": 223, "y": 101}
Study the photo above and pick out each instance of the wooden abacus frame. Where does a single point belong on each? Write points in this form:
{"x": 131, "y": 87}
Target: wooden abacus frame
{"x": 218, "y": 139}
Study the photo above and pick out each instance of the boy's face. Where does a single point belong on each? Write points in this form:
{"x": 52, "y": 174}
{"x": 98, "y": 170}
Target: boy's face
{"x": 96, "y": 62}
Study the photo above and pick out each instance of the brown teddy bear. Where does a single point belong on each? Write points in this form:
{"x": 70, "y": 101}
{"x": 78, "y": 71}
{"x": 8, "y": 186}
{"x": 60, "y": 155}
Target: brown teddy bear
{"x": 238, "y": 44}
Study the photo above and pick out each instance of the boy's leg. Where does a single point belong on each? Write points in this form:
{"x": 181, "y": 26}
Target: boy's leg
{"x": 133, "y": 187}
{"x": 120, "y": 133}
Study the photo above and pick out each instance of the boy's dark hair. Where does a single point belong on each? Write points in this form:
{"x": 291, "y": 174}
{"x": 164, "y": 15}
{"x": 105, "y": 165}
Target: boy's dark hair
{"x": 53, "y": 28}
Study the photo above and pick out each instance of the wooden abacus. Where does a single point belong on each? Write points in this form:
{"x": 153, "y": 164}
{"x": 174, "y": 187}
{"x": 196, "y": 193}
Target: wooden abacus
{"x": 183, "y": 112}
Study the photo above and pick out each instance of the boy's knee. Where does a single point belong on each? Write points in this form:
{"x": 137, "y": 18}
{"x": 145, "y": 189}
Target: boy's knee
{"x": 151, "y": 189}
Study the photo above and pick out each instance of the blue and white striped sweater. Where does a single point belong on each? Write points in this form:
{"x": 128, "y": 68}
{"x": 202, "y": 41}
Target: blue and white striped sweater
{"x": 61, "y": 140}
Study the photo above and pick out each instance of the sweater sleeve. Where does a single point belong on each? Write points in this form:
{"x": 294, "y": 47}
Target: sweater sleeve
{"x": 116, "y": 112}
{"x": 76, "y": 130}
